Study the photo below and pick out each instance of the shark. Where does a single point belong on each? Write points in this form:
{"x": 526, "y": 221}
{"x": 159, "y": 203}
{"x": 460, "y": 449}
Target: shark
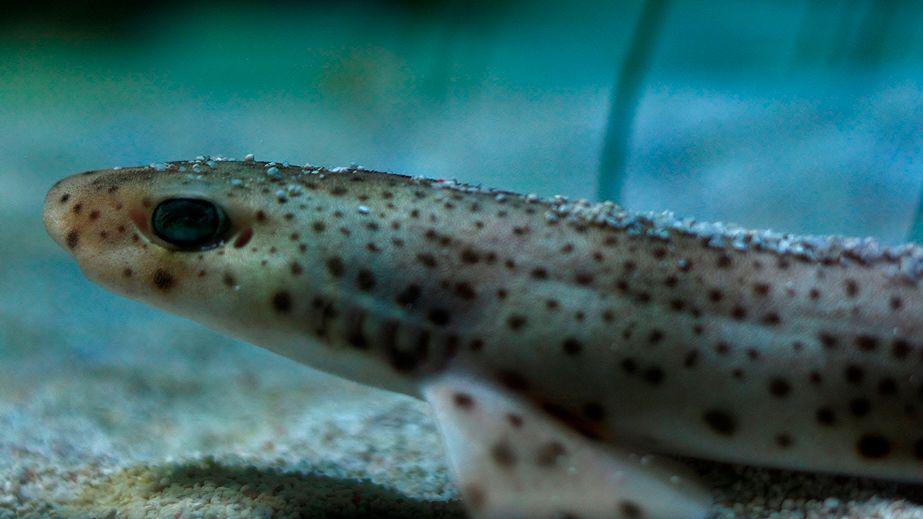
{"x": 570, "y": 350}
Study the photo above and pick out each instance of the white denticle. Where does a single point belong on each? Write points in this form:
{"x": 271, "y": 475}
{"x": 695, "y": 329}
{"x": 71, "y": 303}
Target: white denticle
{"x": 273, "y": 172}
{"x": 248, "y": 157}
{"x": 363, "y": 209}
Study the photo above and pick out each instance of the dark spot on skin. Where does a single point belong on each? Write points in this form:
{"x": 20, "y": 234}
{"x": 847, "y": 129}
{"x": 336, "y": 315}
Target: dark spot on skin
{"x": 513, "y": 380}
{"x": 503, "y": 454}
{"x": 365, "y": 280}
{"x": 738, "y": 313}
{"x": 282, "y": 302}
{"x": 163, "y": 279}
{"x": 779, "y": 387}
{"x": 439, "y": 316}
{"x": 73, "y": 238}
{"x": 852, "y": 288}
{"x": 815, "y": 377}
{"x": 859, "y": 407}
{"x": 469, "y": 256}
{"x": 575, "y": 422}
{"x": 723, "y": 348}
{"x": 514, "y": 419}
{"x": 715, "y": 295}
{"x": 356, "y": 337}
{"x": 539, "y": 273}
{"x": 630, "y": 366}
{"x": 895, "y": 303}
{"x": 476, "y": 345}
{"x": 463, "y": 401}
{"x": 335, "y": 267}
{"x": 516, "y": 321}
{"x": 260, "y": 216}
{"x": 720, "y": 422}
{"x": 475, "y": 495}
{"x": 761, "y": 289}
{"x": 873, "y": 445}
{"x": 724, "y": 261}
{"x": 630, "y": 509}
{"x": 828, "y": 340}
{"x": 78, "y": 208}
{"x": 900, "y": 348}
{"x": 887, "y": 386}
{"x": 584, "y": 279}
{"x": 572, "y": 346}
{"x": 783, "y": 440}
{"x": 548, "y": 454}
{"x": 771, "y": 319}
{"x": 653, "y": 375}
{"x": 318, "y": 226}
{"x": 127, "y": 272}
{"x": 655, "y": 337}
{"x": 825, "y": 416}
{"x": 866, "y": 342}
{"x": 464, "y": 290}
{"x": 691, "y": 359}
{"x": 94, "y": 215}
{"x": 427, "y": 259}
{"x": 918, "y": 450}
{"x": 594, "y": 411}
{"x": 854, "y": 374}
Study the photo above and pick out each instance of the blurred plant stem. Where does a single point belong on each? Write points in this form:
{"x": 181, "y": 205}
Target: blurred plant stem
{"x": 624, "y": 99}
{"x": 916, "y": 227}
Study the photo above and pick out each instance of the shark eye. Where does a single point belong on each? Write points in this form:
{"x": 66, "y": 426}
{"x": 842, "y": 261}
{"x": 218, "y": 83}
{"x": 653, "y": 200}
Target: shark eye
{"x": 190, "y": 223}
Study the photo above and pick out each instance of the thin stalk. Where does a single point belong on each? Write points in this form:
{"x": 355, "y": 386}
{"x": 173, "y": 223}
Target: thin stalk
{"x": 624, "y": 99}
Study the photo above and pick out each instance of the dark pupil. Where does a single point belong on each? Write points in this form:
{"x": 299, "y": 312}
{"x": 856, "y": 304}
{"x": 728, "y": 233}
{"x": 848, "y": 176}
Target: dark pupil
{"x": 189, "y": 223}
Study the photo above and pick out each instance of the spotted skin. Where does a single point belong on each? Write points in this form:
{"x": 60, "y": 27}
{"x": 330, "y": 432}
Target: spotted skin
{"x": 680, "y": 337}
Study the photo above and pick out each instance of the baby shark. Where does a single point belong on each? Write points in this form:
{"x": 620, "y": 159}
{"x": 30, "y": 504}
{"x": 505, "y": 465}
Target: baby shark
{"x": 565, "y": 347}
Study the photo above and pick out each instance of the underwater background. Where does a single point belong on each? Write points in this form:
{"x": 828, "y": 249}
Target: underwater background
{"x": 800, "y": 116}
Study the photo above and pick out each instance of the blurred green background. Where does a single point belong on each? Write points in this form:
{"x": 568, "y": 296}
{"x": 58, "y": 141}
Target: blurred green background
{"x": 802, "y": 116}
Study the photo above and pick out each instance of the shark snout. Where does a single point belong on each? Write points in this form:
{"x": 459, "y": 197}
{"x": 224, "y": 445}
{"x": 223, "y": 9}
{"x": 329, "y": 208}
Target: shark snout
{"x": 63, "y": 210}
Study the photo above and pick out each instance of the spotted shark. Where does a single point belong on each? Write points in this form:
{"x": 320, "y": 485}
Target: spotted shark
{"x": 567, "y": 348}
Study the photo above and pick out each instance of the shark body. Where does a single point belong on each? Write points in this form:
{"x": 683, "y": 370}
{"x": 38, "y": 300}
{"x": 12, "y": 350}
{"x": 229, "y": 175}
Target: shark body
{"x": 559, "y": 342}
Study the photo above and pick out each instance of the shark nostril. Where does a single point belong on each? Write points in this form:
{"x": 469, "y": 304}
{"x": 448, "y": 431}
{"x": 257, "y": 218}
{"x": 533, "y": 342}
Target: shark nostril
{"x": 73, "y": 238}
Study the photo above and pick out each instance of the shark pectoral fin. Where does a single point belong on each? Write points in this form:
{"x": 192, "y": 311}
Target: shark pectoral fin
{"x": 510, "y": 460}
